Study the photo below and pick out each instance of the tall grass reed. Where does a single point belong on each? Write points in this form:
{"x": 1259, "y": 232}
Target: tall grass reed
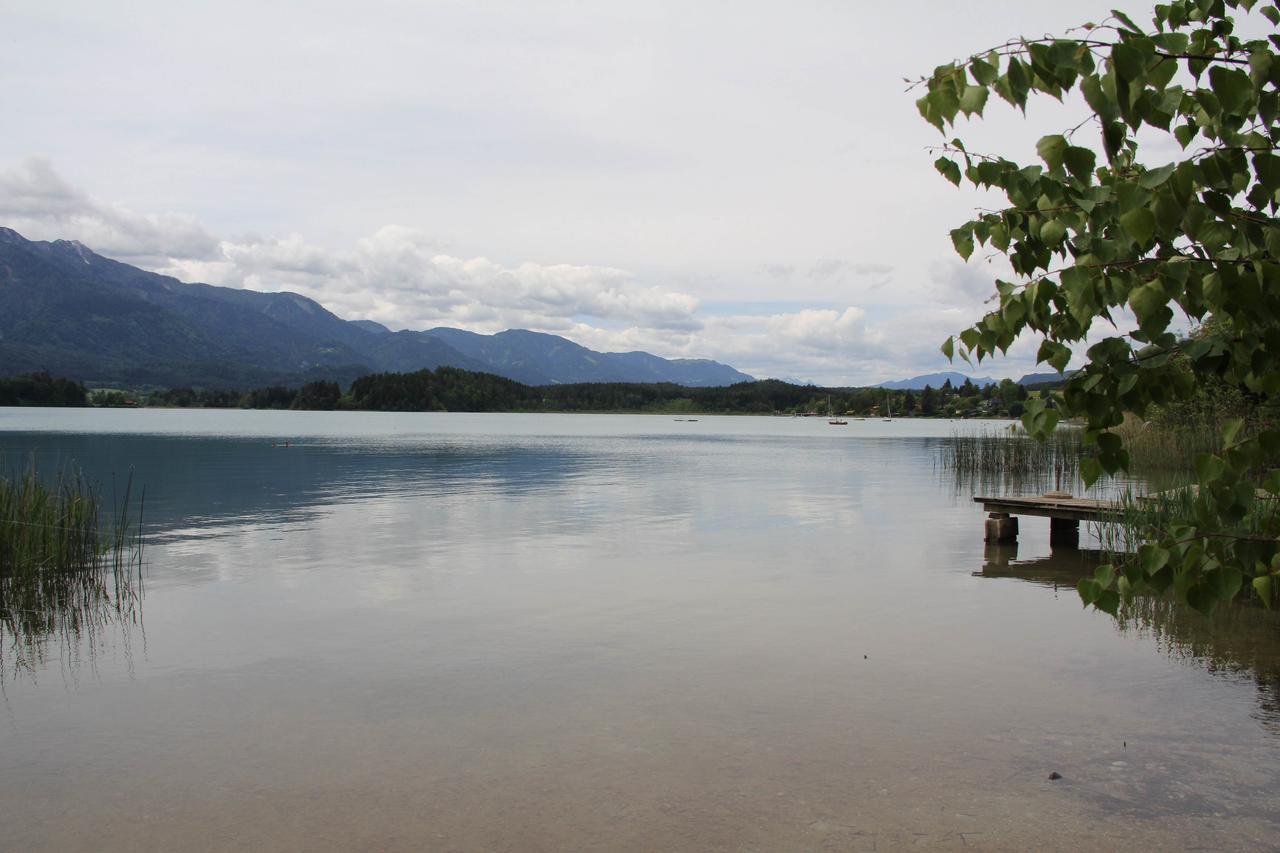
{"x": 1009, "y": 461}
{"x": 67, "y": 567}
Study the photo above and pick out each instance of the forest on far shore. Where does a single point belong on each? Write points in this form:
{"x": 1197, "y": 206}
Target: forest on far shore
{"x": 451, "y": 389}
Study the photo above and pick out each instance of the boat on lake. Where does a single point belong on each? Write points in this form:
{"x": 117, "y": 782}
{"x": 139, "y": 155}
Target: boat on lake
{"x": 832, "y": 418}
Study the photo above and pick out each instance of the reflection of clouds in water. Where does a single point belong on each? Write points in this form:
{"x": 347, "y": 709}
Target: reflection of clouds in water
{"x": 1239, "y": 642}
{"x": 396, "y": 517}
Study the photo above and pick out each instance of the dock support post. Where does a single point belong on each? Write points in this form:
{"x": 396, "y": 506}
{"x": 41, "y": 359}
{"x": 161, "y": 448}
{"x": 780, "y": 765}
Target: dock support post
{"x": 1064, "y": 532}
{"x": 1001, "y": 527}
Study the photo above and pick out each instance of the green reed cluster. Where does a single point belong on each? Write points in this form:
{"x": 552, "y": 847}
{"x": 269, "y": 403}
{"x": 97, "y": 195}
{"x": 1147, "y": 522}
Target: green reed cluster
{"x": 65, "y": 569}
{"x": 1010, "y": 460}
{"x": 1161, "y": 448}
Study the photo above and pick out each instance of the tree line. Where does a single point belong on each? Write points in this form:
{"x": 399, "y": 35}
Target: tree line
{"x": 41, "y": 389}
{"x": 451, "y": 389}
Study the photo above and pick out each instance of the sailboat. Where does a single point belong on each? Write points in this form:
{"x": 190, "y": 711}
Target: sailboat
{"x": 888, "y": 404}
{"x": 831, "y": 416}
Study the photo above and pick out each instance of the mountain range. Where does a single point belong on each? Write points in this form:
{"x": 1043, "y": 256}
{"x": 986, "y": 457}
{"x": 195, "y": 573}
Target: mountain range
{"x": 71, "y": 312}
{"x": 936, "y": 380}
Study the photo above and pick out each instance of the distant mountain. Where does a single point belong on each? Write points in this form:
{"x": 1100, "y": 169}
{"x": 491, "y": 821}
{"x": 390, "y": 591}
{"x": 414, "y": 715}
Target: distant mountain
{"x": 71, "y": 312}
{"x": 936, "y": 380}
{"x": 691, "y": 372}
{"x": 1044, "y": 378}
{"x": 371, "y": 326}
{"x": 535, "y": 358}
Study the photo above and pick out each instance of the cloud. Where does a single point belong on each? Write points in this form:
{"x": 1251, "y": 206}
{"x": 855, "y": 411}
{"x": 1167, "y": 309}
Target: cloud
{"x": 832, "y": 267}
{"x": 399, "y": 277}
{"x": 37, "y": 201}
{"x": 396, "y": 275}
{"x": 778, "y": 271}
{"x": 969, "y": 285}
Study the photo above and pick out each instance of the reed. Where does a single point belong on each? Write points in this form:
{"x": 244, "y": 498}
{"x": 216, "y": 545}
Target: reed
{"x": 67, "y": 568}
{"x": 1162, "y": 449}
{"x": 1012, "y": 461}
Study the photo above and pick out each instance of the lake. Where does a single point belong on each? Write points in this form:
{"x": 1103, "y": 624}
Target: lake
{"x": 581, "y": 632}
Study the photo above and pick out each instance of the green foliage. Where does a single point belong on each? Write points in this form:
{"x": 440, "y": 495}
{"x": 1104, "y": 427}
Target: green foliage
{"x": 321, "y": 395}
{"x": 272, "y": 397}
{"x": 41, "y": 389}
{"x": 1090, "y": 234}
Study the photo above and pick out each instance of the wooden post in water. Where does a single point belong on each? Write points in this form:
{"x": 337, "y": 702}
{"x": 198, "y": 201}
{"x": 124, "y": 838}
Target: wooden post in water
{"x": 1001, "y": 527}
{"x": 1064, "y": 512}
{"x": 1064, "y": 532}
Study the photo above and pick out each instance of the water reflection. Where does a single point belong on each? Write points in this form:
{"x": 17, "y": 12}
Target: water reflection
{"x": 69, "y": 613}
{"x": 761, "y": 636}
{"x": 1238, "y": 641}
{"x": 210, "y": 482}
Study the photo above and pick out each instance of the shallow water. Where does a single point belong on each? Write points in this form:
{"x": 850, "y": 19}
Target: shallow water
{"x": 541, "y": 632}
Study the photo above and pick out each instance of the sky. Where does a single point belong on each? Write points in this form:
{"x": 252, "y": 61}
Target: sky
{"x": 748, "y": 182}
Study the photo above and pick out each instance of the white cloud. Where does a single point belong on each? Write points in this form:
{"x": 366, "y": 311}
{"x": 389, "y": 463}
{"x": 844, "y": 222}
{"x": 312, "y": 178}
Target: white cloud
{"x": 398, "y": 277}
{"x": 835, "y": 267}
{"x": 37, "y": 201}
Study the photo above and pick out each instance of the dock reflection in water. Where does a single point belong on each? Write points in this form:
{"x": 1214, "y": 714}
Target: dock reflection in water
{"x": 1238, "y": 641}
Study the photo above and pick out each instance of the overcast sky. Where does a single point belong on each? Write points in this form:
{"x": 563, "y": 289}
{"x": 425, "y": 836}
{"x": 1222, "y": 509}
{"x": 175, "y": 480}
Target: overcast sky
{"x": 742, "y": 181}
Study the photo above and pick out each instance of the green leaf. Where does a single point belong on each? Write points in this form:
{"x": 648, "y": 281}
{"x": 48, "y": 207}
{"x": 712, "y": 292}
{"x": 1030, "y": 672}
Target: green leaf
{"x": 1260, "y": 64}
{"x": 1231, "y": 430}
{"x": 1124, "y": 19}
{"x": 1146, "y": 301}
{"x": 1152, "y": 558}
{"x": 984, "y": 72}
{"x": 1097, "y": 98}
{"x": 1105, "y": 575}
{"x": 948, "y": 169}
{"x": 1018, "y": 82}
{"x": 973, "y": 100}
{"x": 1209, "y": 468}
{"x": 962, "y": 240}
{"x": 1127, "y": 61}
{"x": 1055, "y": 354}
{"x": 1051, "y": 149}
{"x": 1262, "y": 586}
{"x": 1053, "y": 232}
{"x": 1203, "y": 598}
{"x": 1153, "y": 178}
{"x": 1080, "y": 162}
{"x": 1090, "y": 470}
{"x": 949, "y": 348}
{"x": 1113, "y": 137}
{"x": 1232, "y": 87}
{"x": 1139, "y": 224}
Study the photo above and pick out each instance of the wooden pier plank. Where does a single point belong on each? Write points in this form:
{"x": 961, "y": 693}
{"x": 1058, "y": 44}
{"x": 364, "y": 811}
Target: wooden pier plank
{"x": 1074, "y": 509}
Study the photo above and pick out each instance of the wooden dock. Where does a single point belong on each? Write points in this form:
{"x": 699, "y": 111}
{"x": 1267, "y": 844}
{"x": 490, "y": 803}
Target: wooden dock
{"x": 1063, "y": 511}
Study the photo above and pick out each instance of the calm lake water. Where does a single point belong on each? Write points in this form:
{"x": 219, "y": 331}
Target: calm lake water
{"x": 543, "y": 632}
